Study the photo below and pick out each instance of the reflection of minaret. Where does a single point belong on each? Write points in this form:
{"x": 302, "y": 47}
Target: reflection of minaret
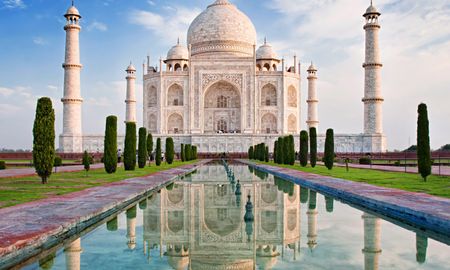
{"x": 131, "y": 228}
{"x": 372, "y": 243}
{"x": 73, "y": 253}
{"x": 312, "y": 220}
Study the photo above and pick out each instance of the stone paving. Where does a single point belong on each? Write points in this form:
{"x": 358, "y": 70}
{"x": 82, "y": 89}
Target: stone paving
{"x": 31, "y": 171}
{"x": 421, "y": 210}
{"x": 26, "y": 228}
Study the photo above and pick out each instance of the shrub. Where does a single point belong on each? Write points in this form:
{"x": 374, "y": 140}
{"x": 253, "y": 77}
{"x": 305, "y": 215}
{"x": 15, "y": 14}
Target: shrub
{"x": 2, "y": 165}
{"x": 182, "y": 155}
{"x": 423, "y": 142}
{"x": 150, "y": 146}
{"x": 313, "y": 146}
{"x": 158, "y": 156}
{"x": 57, "y": 162}
{"x": 329, "y": 149}
{"x": 110, "y": 146}
{"x": 129, "y": 155}
{"x": 142, "y": 148}
{"x": 250, "y": 153}
{"x": 445, "y": 148}
{"x": 397, "y": 163}
{"x": 44, "y": 138}
{"x": 303, "y": 148}
{"x": 365, "y": 161}
{"x": 170, "y": 151}
{"x": 87, "y": 161}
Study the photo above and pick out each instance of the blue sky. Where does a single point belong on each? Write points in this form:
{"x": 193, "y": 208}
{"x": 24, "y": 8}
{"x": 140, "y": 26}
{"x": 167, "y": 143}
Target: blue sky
{"x": 415, "y": 44}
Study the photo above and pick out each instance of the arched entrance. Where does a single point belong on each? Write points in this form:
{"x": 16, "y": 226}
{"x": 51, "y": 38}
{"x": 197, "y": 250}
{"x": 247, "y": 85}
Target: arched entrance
{"x": 222, "y": 108}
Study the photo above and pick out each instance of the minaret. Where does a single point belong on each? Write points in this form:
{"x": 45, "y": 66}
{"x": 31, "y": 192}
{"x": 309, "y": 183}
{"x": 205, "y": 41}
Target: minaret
{"x": 313, "y": 116}
{"x": 71, "y": 140}
{"x": 312, "y": 220}
{"x": 372, "y": 241}
{"x": 130, "y": 115}
{"x": 131, "y": 228}
{"x": 73, "y": 254}
{"x": 373, "y": 101}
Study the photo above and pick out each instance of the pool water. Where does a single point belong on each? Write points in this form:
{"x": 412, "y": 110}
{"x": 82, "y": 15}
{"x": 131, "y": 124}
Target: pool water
{"x": 209, "y": 220}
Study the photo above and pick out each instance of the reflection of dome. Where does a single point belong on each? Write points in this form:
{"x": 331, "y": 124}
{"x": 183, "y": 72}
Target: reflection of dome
{"x": 266, "y": 257}
{"x": 178, "y": 263}
{"x": 266, "y": 263}
{"x": 266, "y": 52}
{"x": 222, "y": 28}
{"x": 178, "y": 52}
{"x": 221, "y": 263}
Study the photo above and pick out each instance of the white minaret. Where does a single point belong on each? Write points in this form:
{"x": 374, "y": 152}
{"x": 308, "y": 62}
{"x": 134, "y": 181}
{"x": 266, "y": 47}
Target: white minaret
{"x": 73, "y": 254}
{"x": 131, "y": 231}
{"x": 372, "y": 241}
{"x": 130, "y": 114}
{"x": 71, "y": 140}
{"x": 313, "y": 102}
{"x": 373, "y": 101}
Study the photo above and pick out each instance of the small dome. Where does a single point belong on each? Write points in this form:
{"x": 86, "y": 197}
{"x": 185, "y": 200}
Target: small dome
{"x": 266, "y": 52}
{"x": 372, "y": 10}
{"x": 178, "y": 52}
{"x": 72, "y": 11}
{"x": 312, "y": 67}
{"x": 131, "y": 68}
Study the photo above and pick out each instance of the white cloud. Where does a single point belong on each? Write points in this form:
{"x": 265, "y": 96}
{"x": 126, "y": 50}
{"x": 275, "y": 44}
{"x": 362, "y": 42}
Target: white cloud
{"x": 52, "y": 87}
{"x": 97, "y": 26}
{"x": 170, "y": 26}
{"x": 151, "y": 3}
{"x": 12, "y": 4}
{"x": 40, "y": 41}
{"x": 6, "y": 91}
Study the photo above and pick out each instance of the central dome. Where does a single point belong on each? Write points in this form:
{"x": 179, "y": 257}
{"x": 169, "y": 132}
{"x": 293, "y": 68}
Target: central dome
{"x": 222, "y": 28}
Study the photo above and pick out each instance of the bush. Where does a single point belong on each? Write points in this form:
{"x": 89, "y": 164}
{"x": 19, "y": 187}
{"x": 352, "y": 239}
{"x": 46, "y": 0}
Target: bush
{"x": 87, "y": 161}
{"x": 303, "y": 148}
{"x": 170, "y": 151}
{"x": 313, "y": 146}
{"x": 423, "y": 142}
{"x": 445, "y": 148}
{"x": 2, "y": 165}
{"x": 110, "y": 146}
{"x": 365, "y": 161}
{"x": 158, "y": 152}
{"x": 329, "y": 149}
{"x": 397, "y": 163}
{"x": 57, "y": 162}
{"x": 129, "y": 155}
{"x": 44, "y": 138}
{"x": 142, "y": 148}
{"x": 150, "y": 146}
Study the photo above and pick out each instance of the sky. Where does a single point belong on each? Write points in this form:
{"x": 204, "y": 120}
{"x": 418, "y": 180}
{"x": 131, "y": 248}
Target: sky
{"x": 415, "y": 51}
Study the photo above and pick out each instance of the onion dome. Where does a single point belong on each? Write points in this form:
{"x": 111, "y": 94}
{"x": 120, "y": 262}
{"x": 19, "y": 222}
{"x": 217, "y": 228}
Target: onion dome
{"x": 130, "y": 68}
{"x": 178, "y": 52}
{"x": 72, "y": 11}
{"x": 372, "y": 10}
{"x": 312, "y": 67}
{"x": 266, "y": 52}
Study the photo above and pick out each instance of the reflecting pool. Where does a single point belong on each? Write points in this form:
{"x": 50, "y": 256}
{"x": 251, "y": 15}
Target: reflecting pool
{"x": 238, "y": 218}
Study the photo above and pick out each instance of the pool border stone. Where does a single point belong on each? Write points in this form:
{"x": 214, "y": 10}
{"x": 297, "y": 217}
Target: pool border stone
{"x": 420, "y": 210}
{"x": 30, "y": 228}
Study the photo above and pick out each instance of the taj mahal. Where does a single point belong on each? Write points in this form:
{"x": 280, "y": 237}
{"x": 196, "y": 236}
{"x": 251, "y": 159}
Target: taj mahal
{"x": 222, "y": 92}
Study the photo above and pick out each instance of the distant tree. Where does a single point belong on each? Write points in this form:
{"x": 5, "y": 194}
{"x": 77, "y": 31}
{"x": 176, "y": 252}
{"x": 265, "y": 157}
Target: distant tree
{"x": 86, "y": 162}
{"x": 158, "y": 152}
{"x": 303, "y": 148}
{"x": 142, "y": 148}
{"x": 329, "y": 149}
{"x": 182, "y": 153}
{"x": 129, "y": 155}
{"x": 150, "y": 146}
{"x": 423, "y": 142}
{"x": 250, "y": 152}
{"x": 445, "y": 148}
{"x": 412, "y": 148}
{"x": 267, "y": 154}
{"x": 44, "y": 139}
{"x": 57, "y": 163}
{"x": 110, "y": 145}
{"x": 170, "y": 151}
{"x": 313, "y": 146}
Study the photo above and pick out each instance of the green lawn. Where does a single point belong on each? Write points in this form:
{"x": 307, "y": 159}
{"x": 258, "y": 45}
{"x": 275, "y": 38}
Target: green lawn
{"x": 435, "y": 185}
{"x": 20, "y": 190}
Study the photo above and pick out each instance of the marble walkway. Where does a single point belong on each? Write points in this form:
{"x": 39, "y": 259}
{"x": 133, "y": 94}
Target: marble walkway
{"x": 26, "y": 228}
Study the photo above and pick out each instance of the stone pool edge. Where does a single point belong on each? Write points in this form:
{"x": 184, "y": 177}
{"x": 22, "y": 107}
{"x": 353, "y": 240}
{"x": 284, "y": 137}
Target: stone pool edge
{"x": 24, "y": 249}
{"x": 414, "y": 217}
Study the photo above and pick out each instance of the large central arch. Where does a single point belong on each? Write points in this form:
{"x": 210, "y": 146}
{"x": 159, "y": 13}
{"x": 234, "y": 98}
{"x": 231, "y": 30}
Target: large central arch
{"x": 222, "y": 108}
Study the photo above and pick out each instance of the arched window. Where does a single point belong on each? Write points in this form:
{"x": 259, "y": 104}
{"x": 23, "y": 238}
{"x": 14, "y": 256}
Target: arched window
{"x": 266, "y": 67}
{"x": 175, "y": 95}
{"x": 258, "y": 67}
{"x": 269, "y": 123}
{"x": 274, "y": 67}
{"x": 222, "y": 102}
{"x": 292, "y": 124}
{"x": 152, "y": 123}
{"x": 292, "y": 96}
{"x": 177, "y": 67}
{"x": 152, "y": 97}
{"x": 175, "y": 124}
{"x": 222, "y": 126}
{"x": 269, "y": 95}
{"x": 185, "y": 67}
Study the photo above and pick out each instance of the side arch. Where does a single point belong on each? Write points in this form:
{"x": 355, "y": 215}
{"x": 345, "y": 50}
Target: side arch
{"x": 269, "y": 95}
{"x": 269, "y": 123}
{"x": 175, "y": 95}
{"x": 292, "y": 96}
{"x": 175, "y": 124}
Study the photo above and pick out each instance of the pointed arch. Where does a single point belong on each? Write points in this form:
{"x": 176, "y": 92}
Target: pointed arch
{"x": 292, "y": 96}
{"x": 175, "y": 124}
{"x": 292, "y": 124}
{"x": 269, "y": 123}
{"x": 152, "y": 96}
{"x": 269, "y": 95}
{"x": 175, "y": 95}
{"x": 152, "y": 122}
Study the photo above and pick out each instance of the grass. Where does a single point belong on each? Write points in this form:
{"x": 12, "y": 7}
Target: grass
{"x": 435, "y": 185}
{"x": 15, "y": 191}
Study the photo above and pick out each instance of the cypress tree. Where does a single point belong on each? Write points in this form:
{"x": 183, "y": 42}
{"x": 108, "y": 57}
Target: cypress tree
{"x": 158, "y": 152}
{"x": 303, "y": 148}
{"x": 86, "y": 162}
{"x": 186, "y": 152}
{"x": 280, "y": 151}
{"x": 286, "y": 150}
{"x": 142, "y": 148}
{"x": 129, "y": 155}
{"x": 170, "y": 151}
{"x": 275, "y": 152}
{"x": 267, "y": 154}
{"x": 250, "y": 152}
{"x": 329, "y": 149}
{"x": 313, "y": 146}
{"x": 423, "y": 142}
{"x": 291, "y": 158}
{"x": 194, "y": 152}
{"x": 44, "y": 139}
{"x": 182, "y": 156}
{"x": 110, "y": 145}
{"x": 150, "y": 146}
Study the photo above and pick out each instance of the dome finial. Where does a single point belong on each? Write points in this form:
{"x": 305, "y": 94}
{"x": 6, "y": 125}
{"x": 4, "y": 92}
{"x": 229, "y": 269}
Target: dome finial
{"x": 178, "y": 41}
{"x": 265, "y": 40}
{"x": 72, "y": 3}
